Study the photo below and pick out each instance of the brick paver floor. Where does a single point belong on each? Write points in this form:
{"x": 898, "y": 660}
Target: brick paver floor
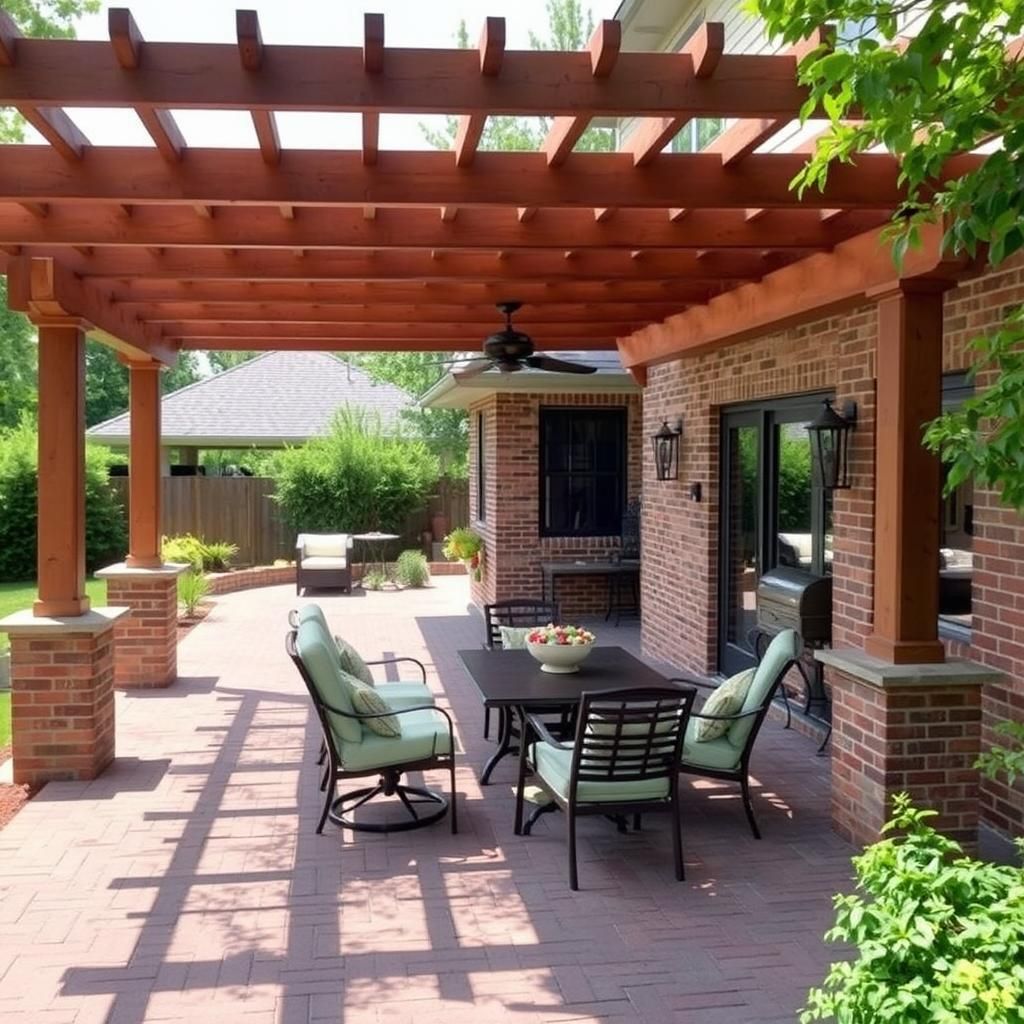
{"x": 187, "y": 884}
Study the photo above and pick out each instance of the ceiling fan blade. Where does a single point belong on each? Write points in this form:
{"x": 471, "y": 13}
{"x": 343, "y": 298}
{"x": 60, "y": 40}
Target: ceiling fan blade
{"x": 557, "y": 365}
{"x": 473, "y": 371}
{"x": 456, "y": 360}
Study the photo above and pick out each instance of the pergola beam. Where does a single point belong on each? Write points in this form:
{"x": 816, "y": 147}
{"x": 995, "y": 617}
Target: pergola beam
{"x": 471, "y": 126}
{"x": 139, "y": 176}
{"x": 250, "y": 51}
{"x": 45, "y": 289}
{"x": 284, "y": 341}
{"x": 373, "y": 64}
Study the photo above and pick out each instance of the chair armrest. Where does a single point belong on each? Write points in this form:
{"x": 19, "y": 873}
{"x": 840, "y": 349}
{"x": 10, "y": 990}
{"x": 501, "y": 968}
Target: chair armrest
{"x": 395, "y": 661}
{"x": 349, "y": 542}
{"x": 726, "y": 718}
{"x": 293, "y": 618}
{"x": 300, "y": 547}
{"x": 692, "y": 682}
{"x": 544, "y": 735}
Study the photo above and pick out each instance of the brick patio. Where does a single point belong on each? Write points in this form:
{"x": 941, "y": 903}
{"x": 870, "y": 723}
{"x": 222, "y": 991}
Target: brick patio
{"x": 187, "y": 883}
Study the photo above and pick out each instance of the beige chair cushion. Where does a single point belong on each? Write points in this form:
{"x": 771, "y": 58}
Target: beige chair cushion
{"x": 513, "y": 638}
{"x": 324, "y": 562}
{"x": 367, "y": 701}
{"x": 326, "y": 545}
{"x": 727, "y": 699}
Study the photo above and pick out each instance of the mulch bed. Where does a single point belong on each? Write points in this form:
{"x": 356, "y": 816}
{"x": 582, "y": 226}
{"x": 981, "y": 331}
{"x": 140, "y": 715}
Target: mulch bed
{"x": 12, "y": 798}
{"x": 186, "y": 624}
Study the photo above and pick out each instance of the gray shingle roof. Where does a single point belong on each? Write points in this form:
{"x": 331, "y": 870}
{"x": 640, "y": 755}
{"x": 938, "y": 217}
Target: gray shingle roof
{"x": 275, "y": 398}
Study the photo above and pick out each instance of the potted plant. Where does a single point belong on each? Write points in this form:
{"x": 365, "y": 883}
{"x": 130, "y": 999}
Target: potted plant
{"x": 466, "y": 546}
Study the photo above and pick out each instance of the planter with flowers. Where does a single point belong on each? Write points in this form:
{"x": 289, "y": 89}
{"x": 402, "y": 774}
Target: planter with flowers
{"x": 560, "y": 649}
{"x": 466, "y": 546}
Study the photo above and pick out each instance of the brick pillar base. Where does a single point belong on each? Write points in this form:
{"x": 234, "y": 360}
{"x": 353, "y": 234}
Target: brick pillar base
{"x": 145, "y": 640}
{"x": 62, "y": 700}
{"x": 904, "y": 728}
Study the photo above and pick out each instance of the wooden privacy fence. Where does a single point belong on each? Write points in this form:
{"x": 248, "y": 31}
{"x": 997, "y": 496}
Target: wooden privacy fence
{"x": 241, "y": 510}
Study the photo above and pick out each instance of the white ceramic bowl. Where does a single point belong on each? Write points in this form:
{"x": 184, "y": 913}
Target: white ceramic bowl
{"x": 559, "y": 658}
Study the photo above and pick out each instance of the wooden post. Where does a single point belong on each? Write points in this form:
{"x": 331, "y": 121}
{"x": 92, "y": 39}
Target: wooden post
{"x": 144, "y": 480}
{"x": 907, "y": 483}
{"x": 61, "y": 557}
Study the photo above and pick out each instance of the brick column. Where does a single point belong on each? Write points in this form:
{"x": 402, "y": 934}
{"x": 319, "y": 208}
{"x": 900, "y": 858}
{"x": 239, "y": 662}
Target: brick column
{"x": 904, "y": 728}
{"x": 62, "y": 700}
{"x": 146, "y": 639}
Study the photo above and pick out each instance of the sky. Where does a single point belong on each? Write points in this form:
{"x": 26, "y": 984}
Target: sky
{"x": 412, "y": 23}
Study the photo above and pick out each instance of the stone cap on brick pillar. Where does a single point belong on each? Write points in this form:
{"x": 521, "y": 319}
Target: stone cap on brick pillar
{"x": 122, "y": 570}
{"x": 868, "y": 669}
{"x": 24, "y": 623}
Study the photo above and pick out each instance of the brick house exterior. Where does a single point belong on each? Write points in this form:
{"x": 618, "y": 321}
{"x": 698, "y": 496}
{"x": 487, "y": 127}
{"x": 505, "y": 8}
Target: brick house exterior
{"x": 513, "y": 545}
{"x": 833, "y": 354}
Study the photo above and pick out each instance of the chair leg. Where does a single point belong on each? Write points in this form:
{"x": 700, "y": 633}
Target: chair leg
{"x": 521, "y": 782}
{"x": 323, "y": 752}
{"x": 454, "y": 813}
{"x": 677, "y": 840}
{"x": 570, "y": 824}
{"x": 749, "y": 807}
{"x": 637, "y": 820}
{"x": 328, "y": 797}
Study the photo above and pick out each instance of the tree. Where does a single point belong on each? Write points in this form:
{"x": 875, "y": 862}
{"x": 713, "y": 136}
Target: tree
{"x": 17, "y": 363}
{"x": 225, "y": 359}
{"x": 951, "y": 87}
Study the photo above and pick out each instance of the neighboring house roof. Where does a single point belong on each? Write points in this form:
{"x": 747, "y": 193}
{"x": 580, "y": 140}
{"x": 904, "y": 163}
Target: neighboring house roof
{"x": 275, "y": 398}
{"x": 455, "y": 391}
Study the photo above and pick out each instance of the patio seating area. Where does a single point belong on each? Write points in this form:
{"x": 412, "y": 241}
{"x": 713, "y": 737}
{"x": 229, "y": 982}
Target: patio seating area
{"x": 188, "y": 884}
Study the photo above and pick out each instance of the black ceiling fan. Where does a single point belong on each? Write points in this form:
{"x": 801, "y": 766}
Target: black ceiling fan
{"x": 510, "y": 351}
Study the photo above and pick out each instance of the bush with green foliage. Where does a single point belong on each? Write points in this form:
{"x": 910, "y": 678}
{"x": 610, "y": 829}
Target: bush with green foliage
{"x": 356, "y": 479}
{"x": 203, "y": 556}
{"x": 462, "y": 543}
{"x": 411, "y": 569}
{"x": 106, "y": 535}
{"x": 193, "y": 586}
{"x": 373, "y": 580}
{"x": 940, "y": 936}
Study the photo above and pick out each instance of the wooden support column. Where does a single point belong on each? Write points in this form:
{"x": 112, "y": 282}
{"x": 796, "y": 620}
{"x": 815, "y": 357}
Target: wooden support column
{"x": 144, "y": 481}
{"x": 907, "y": 482}
{"x": 61, "y": 557}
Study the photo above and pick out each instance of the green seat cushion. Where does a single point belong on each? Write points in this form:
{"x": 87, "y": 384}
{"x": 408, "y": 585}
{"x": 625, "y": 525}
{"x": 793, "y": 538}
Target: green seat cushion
{"x": 513, "y": 638}
{"x": 352, "y": 662}
{"x": 783, "y": 649}
{"x": 423, "y": 733}
{"x": 553, "y": 765}
{"x": 367, "y": 701}
{"x": 727, "y": 699}
{"x": 718, "y": 754}
{"x": 320, "y": 659}
{"x": 405, "y": 695}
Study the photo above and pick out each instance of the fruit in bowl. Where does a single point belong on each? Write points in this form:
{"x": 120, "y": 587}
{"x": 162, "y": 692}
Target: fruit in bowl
{"x": 560, "y": 649}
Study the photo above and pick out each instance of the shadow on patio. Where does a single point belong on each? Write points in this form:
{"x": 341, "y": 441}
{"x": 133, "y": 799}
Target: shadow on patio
{"x": 188, "y": 884}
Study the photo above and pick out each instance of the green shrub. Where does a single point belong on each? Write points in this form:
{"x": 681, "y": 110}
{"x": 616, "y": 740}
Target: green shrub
{"x": 940, "y": 936}
{"x": 373, "y": 580}
{"x": 192, "y": 588}
{"x": 106, "y": 534}
{"x": 203, "y": 556}
{"x": 411, "y": 569}
{"x": 356, "y": 479}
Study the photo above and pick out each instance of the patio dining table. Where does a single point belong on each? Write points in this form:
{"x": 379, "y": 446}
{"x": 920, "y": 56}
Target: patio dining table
{"x": 512, "y": 681}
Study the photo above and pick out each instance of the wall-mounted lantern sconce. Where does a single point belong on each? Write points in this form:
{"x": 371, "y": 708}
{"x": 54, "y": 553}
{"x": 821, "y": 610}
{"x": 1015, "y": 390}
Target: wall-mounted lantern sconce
{"x": 829, "y": 433}
{"x": 666, "y": 450}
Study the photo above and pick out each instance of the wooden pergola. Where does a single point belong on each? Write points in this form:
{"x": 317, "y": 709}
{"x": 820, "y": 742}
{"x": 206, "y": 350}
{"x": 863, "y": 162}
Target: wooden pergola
{"x": 170, "y": 247}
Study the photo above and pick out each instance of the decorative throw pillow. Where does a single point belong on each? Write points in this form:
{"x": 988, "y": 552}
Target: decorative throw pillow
{"x": 513, "y": 638}
{"x": 367, "y": 701}
{"x": 727, "y": 699}
{"x": 352, "y": 662}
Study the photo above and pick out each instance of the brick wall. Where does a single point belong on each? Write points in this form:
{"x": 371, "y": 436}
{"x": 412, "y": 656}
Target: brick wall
{"x": 514, "y": 548}
{"x": 680, "y": 537}
{"x": 146, "y": 639}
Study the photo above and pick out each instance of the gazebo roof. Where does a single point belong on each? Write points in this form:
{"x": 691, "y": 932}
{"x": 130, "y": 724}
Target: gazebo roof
{"x": 273, "y": 399}
{"x": 174, "y": 246}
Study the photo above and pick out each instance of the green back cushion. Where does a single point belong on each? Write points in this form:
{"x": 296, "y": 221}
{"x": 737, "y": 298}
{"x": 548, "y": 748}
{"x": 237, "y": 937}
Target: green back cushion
{"x": 313, "y": 613}
{"x": 367, "y": 701}
{"x": 513, "y": 638}
{"x": 783, "y": 649}
{"x": 727, "y": 699}
{"x": 320, "y": 659}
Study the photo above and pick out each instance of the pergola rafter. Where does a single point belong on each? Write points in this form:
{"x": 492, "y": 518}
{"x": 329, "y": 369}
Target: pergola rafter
{"x": 179, "y": 244}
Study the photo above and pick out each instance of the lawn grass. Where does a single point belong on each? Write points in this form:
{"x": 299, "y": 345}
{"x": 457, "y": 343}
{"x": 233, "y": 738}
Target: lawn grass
{"x": 17, "y": 596}
{"x": 5, "y": 719}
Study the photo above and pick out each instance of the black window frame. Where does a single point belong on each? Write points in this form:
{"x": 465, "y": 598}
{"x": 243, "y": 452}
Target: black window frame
{"x": 548, "y": 415}
{"x": 481, "y": 468}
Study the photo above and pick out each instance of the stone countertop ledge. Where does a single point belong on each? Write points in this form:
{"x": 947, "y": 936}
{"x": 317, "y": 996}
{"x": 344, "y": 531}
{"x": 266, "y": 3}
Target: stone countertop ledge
{"x": 122, "y": 569}
{"x": 868, "y": 669}
{"x": 96, "y": 620}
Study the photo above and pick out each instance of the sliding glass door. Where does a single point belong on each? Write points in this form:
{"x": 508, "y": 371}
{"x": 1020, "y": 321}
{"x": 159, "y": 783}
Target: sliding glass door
{"x": 771, "y": 514}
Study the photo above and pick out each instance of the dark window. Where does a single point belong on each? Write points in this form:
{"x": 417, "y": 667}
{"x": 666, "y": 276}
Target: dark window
{"x": 481, "y": 468}
{"x": 582, "y": 472}
{"x": 956, "y": 523}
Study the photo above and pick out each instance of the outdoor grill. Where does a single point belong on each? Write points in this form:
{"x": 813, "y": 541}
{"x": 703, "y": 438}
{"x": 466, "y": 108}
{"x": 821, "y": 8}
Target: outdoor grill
{"x": 795, "y": 599}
